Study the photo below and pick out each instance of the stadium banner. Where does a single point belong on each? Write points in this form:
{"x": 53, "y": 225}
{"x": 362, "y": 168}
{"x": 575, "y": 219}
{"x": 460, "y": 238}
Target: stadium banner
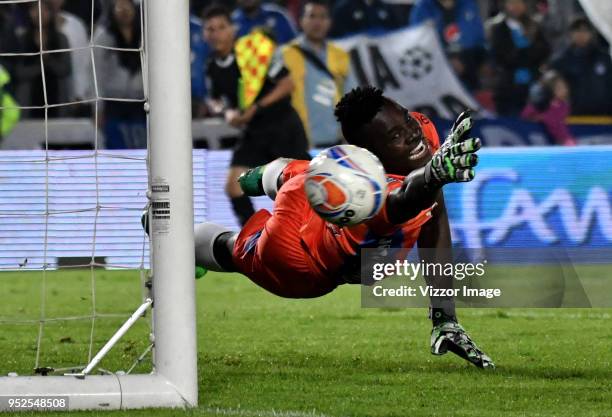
{"x": 536, "y": 197}
{"x": 31, "y": 187}
{"x": 505, "y": 131}
{"x": 410, "y": 66}
{"x": 600, "y": 14}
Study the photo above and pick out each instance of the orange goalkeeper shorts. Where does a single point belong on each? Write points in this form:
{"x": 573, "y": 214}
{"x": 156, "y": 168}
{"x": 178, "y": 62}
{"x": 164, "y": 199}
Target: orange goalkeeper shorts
{"x": 269, "y": 251}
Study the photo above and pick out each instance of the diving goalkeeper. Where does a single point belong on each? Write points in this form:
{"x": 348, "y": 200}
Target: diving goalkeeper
{"x": 294, "y": 253}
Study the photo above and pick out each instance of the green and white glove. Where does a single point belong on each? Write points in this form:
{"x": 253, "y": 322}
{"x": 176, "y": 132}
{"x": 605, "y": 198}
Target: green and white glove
{"x": 450, "y": 336}
{"x": 456, "y": 158}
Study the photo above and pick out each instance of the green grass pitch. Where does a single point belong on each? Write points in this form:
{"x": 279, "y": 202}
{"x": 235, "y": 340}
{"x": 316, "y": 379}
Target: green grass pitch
{"x": 260, "y": 355}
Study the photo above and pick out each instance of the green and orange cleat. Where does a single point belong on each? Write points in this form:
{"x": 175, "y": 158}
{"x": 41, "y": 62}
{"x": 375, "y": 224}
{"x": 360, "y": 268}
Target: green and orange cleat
{"x": 251, "y": 181}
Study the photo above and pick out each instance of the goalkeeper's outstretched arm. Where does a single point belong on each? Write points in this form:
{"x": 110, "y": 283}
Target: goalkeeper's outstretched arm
{"x": 435, "y": 247}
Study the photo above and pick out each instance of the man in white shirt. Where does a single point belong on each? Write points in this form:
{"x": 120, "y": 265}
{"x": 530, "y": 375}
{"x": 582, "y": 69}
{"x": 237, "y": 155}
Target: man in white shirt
{"x": 75, "y": 30}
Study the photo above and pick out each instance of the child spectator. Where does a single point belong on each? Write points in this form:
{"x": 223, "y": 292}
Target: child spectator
{"x": 548, "y": 104}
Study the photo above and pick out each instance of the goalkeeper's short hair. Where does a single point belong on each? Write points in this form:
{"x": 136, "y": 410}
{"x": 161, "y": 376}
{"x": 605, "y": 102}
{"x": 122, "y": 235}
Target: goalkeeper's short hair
{"x": 356, "y": 109}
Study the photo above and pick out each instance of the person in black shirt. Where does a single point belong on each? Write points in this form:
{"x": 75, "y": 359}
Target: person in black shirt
{"x": 272, "y": 128}
{"x": 57, "y": 66}
{"x": 519, "y": 50}
{"x": 588, "y": 69}
{"x": 357, "y": 16}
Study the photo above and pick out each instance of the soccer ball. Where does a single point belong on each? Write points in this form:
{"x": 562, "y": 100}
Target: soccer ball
{"x": 346, "y": 185}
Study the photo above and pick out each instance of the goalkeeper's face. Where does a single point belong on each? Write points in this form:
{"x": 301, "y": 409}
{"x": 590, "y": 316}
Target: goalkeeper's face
{"x": 397, "y": 139}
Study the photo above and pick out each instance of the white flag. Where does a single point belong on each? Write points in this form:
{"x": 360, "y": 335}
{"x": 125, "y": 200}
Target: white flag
{"x": 600, "y": 13}
{"x": 410, "y": 66}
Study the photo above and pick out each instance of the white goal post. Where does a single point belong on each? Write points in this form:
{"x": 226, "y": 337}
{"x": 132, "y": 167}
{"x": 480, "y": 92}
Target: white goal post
{"x": 173, "y": 382}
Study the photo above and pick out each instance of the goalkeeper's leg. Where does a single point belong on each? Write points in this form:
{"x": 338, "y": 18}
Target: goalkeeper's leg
{"x": 214, "y": 244}
{"x": 266, "y": 179}
{"x": 241, "y": 203}
{"x": 213, "y": 248}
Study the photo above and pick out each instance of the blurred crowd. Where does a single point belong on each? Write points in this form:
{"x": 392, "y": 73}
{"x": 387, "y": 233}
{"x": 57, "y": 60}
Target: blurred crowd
{"x": 541, "y": 60}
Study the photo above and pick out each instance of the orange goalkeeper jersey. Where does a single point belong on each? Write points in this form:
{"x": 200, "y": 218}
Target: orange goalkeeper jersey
{"x": 293, "y": 252}
{"x": 330, "y": 245}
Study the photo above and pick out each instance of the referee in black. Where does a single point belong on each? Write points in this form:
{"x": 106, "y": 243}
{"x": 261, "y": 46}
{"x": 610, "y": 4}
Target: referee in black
{"x": 272, "y": 128}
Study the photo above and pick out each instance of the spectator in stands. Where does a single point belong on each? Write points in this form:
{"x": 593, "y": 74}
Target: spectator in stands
{"x": 461, "y": 31}
{"x": 198, "y": 6}
{"x": 272, "y": 128}
{"x": 321, "y": 72}
{"x": 354, "y": 16}
{"x": 253, "y": 14}
{"x": 549, "y": 104}
{"x": 294, "y": 8}
{"x": 588, "y": 70}
{"x": 73, "y": 28}
{"x": 119, "y": 75}
{"x": 9, "y": 114}
{"x": 28, "y": 73}
{"x": 8, "y": 44}
{"x": 487, "y": 8}
{"x": 8, "y": 38}
{"x": 557, "y": 15}
{"x": 82, "y": 9}
{"x": 519, "y": 49}
{"x": 199, "y": 55}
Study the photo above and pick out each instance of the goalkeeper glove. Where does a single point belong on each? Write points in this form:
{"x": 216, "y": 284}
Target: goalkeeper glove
{"x": 450, "y": 336}
{"x": 456, "y": 158}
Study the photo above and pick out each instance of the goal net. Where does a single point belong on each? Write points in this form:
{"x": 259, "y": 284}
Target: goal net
{"x": 91, "y": 315}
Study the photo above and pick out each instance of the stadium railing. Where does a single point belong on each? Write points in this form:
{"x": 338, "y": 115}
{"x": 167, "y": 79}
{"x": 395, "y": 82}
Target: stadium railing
{"x": 79, "y": 133}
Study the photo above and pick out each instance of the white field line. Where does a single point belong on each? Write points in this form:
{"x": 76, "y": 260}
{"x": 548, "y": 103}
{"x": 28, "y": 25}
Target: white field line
{"x": 545, "y": 313}
{"x": 237, "y": 412}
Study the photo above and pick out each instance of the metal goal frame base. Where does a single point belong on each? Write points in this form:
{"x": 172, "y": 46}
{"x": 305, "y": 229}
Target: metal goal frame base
{"x": 174, "y": 380}
{"x": 100, "y": 392}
